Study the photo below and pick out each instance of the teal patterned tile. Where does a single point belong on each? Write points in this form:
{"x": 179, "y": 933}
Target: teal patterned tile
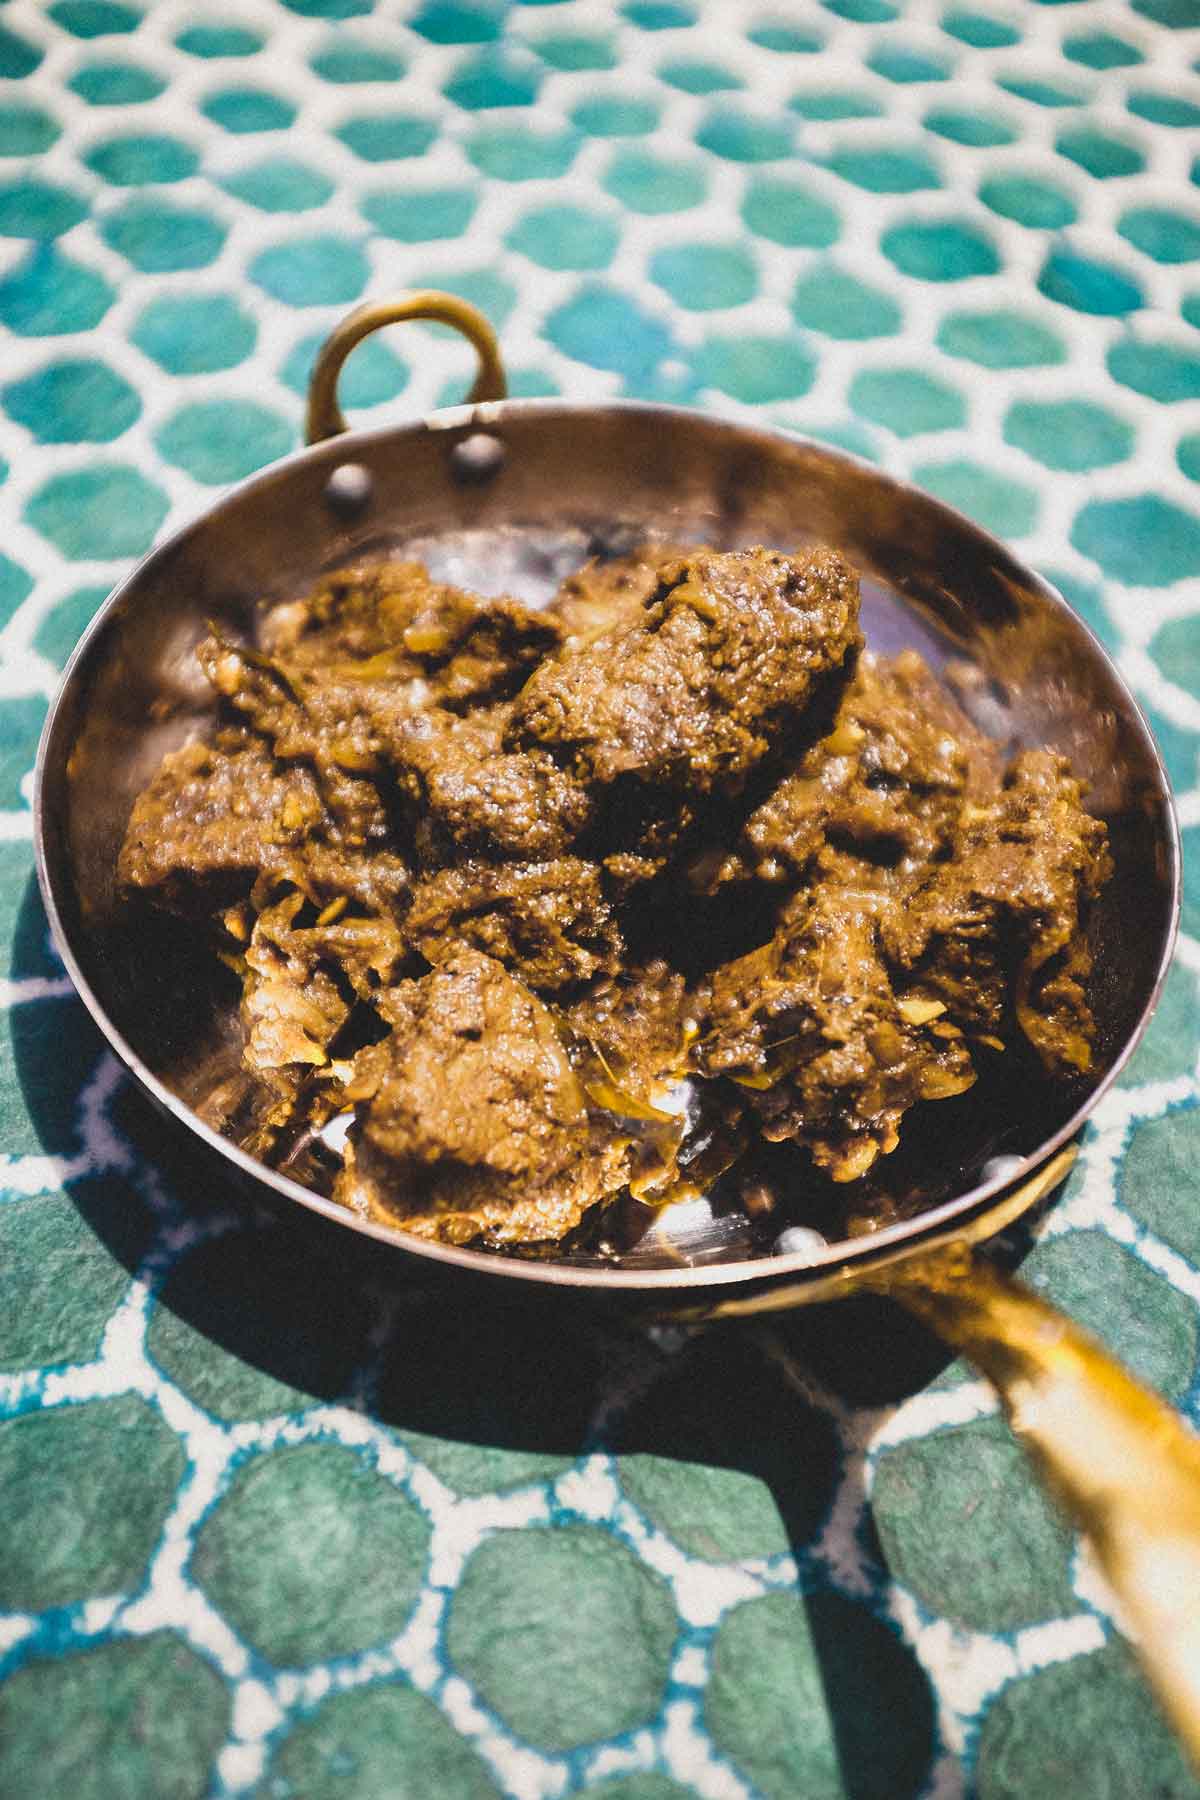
{"x": 697, "y": 78}
{"x": 703, "y": 277}
{"x": 646, "y": 183}
{"x": 85, "y": 1490}
{"x": 161, "y": 239}
{"x": 1089, "y": 286}
{"x": 213, "y": 41}
{"x": 16, "y": 584}
{"x": 107, "y": 510}
{"x": 419, "y": 215}
{"x": 1166, "y": 234}
{"x": 280, "y": 184}
{"x": 387, "y": 137}
{"x": 886, "y": 168}
{"x": 1099, "y": 152}
{"x": 1001, "y": 505}
{"x": 825, "y": 104}
{"x": 347, "y": 61}
{"x": 68, "y": 1276}
{"x": 907, "y": 401}
{"x": 1162, "y": 371}
{"x": 1073, "y": 435}
{"x": 1000, "y": 340}
{"x": 786, "y": 38}
{"x": 576, "y": 50}
{"x": 248, "y": 109}
{"x": 1089, "y": 1725}
{"x": 218, "y": 441}
{"x": 565, "y": 237}
{"x": 1169, "y": 109}
{"x": 522, "y": 154}
{"x": 1163, "y": 1161}
{"x": 788, "y": 213}
{"x": 659, "y": 15}
{"x": 965, "y": 1527}
{"x": 610, "y": 115}
{"x": 18, "y": 57}
{"x": 195, "y": 334}
{"x": 945, "y": 250}
{"x": 445, "y": 22}
{"x": 26, "y": 130}
{"x": 980, "y": 129}
{"x": 980, "y": 30}
{"x": 1143, "y": 539}
{"x": 793, "y": 1696}
{"x": 831, "y": 301}
{"x": 895, "y": 62}
{"x": 312, "y": 1555}
{"x": 135, "y": 161}
{"x": 1150, "y": 1325}
{"x": 1029, "y": 200}
{"x": 73, "y": 401}
{"x": 322, "y": 270}
{"x": 95, "y": 18}
{"x": 742, "y": 137}
{"x": 116, "y": 84}
{"x": 51, "y": 294}
{"x": 144, "y": 1717}
{"x": 756, "y": 370}
{"x": 493, "y": 79}
{"x": 63, "y": 625}
{"x": 38, "y": 209}
{"x": 385, "y": 1739}
{"x": 512, "y": 1633}
{"x": 1101, "y": 50}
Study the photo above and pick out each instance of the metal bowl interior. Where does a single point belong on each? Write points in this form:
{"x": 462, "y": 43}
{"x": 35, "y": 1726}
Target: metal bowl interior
{"x": 512, "y": 497}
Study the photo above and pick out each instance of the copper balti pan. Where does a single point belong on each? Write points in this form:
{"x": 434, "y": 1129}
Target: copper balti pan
{"x": 512, "y": 495}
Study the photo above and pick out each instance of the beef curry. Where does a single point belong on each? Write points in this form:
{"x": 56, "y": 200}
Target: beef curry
{"x": 535, "y": 910}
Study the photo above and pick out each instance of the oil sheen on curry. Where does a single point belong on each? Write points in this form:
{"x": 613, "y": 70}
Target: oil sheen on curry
{"x": 544, "y": 917}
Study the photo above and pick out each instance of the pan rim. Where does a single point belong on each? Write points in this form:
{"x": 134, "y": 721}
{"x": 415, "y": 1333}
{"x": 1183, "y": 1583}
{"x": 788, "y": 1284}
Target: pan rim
{"x": 843, "y": 1253}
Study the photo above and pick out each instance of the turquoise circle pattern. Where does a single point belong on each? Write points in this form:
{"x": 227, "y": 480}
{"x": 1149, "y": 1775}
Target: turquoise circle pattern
{"x": 959, "y": 239}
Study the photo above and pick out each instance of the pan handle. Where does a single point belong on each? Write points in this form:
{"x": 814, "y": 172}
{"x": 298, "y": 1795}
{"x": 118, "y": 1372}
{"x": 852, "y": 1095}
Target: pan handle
{"x": 324, "y": 418}
{"x": 1120, "y": 1461}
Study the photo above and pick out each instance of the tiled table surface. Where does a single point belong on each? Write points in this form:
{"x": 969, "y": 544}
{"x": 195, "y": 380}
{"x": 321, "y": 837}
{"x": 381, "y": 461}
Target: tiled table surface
{"x": 271, "y": 1524}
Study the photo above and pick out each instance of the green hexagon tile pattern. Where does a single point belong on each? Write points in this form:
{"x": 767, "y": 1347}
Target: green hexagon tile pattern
{"x": 272, "y": 1527}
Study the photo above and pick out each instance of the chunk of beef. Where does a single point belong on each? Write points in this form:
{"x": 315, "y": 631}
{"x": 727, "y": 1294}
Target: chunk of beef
{"x": 550, "y": 922}
{"x": 608, "y": 592}
{"x": 292, "y": 1003}
{"x": 809, "y": 1025}
{"x": 640, "y": 1021}
{"x": 388, "y": 621}
{"x": 215, "y": 815}
{"x": 997, "y": 933}
{"x": 712, "y": 677}
{"x": 470, "y": 1120}
{"x": 887, "y": 783}
{"x": 466, "y": 796}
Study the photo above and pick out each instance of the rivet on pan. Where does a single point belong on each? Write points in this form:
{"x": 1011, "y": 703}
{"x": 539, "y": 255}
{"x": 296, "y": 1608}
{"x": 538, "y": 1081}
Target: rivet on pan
{"x": 478, "y": 457}
{"x": 800, "y": 1240}
{"x": 349, "y": 489}
{"x": 1002, "y": 1168}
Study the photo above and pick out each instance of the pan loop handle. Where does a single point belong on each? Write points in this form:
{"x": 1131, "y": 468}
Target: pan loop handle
{"x": 324, "y": 418}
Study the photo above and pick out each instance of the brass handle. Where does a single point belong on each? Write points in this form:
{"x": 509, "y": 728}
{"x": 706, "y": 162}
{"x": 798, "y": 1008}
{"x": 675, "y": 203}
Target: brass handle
{"x": 324, "y": 416}
{"x": 1121, "y": 1462}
